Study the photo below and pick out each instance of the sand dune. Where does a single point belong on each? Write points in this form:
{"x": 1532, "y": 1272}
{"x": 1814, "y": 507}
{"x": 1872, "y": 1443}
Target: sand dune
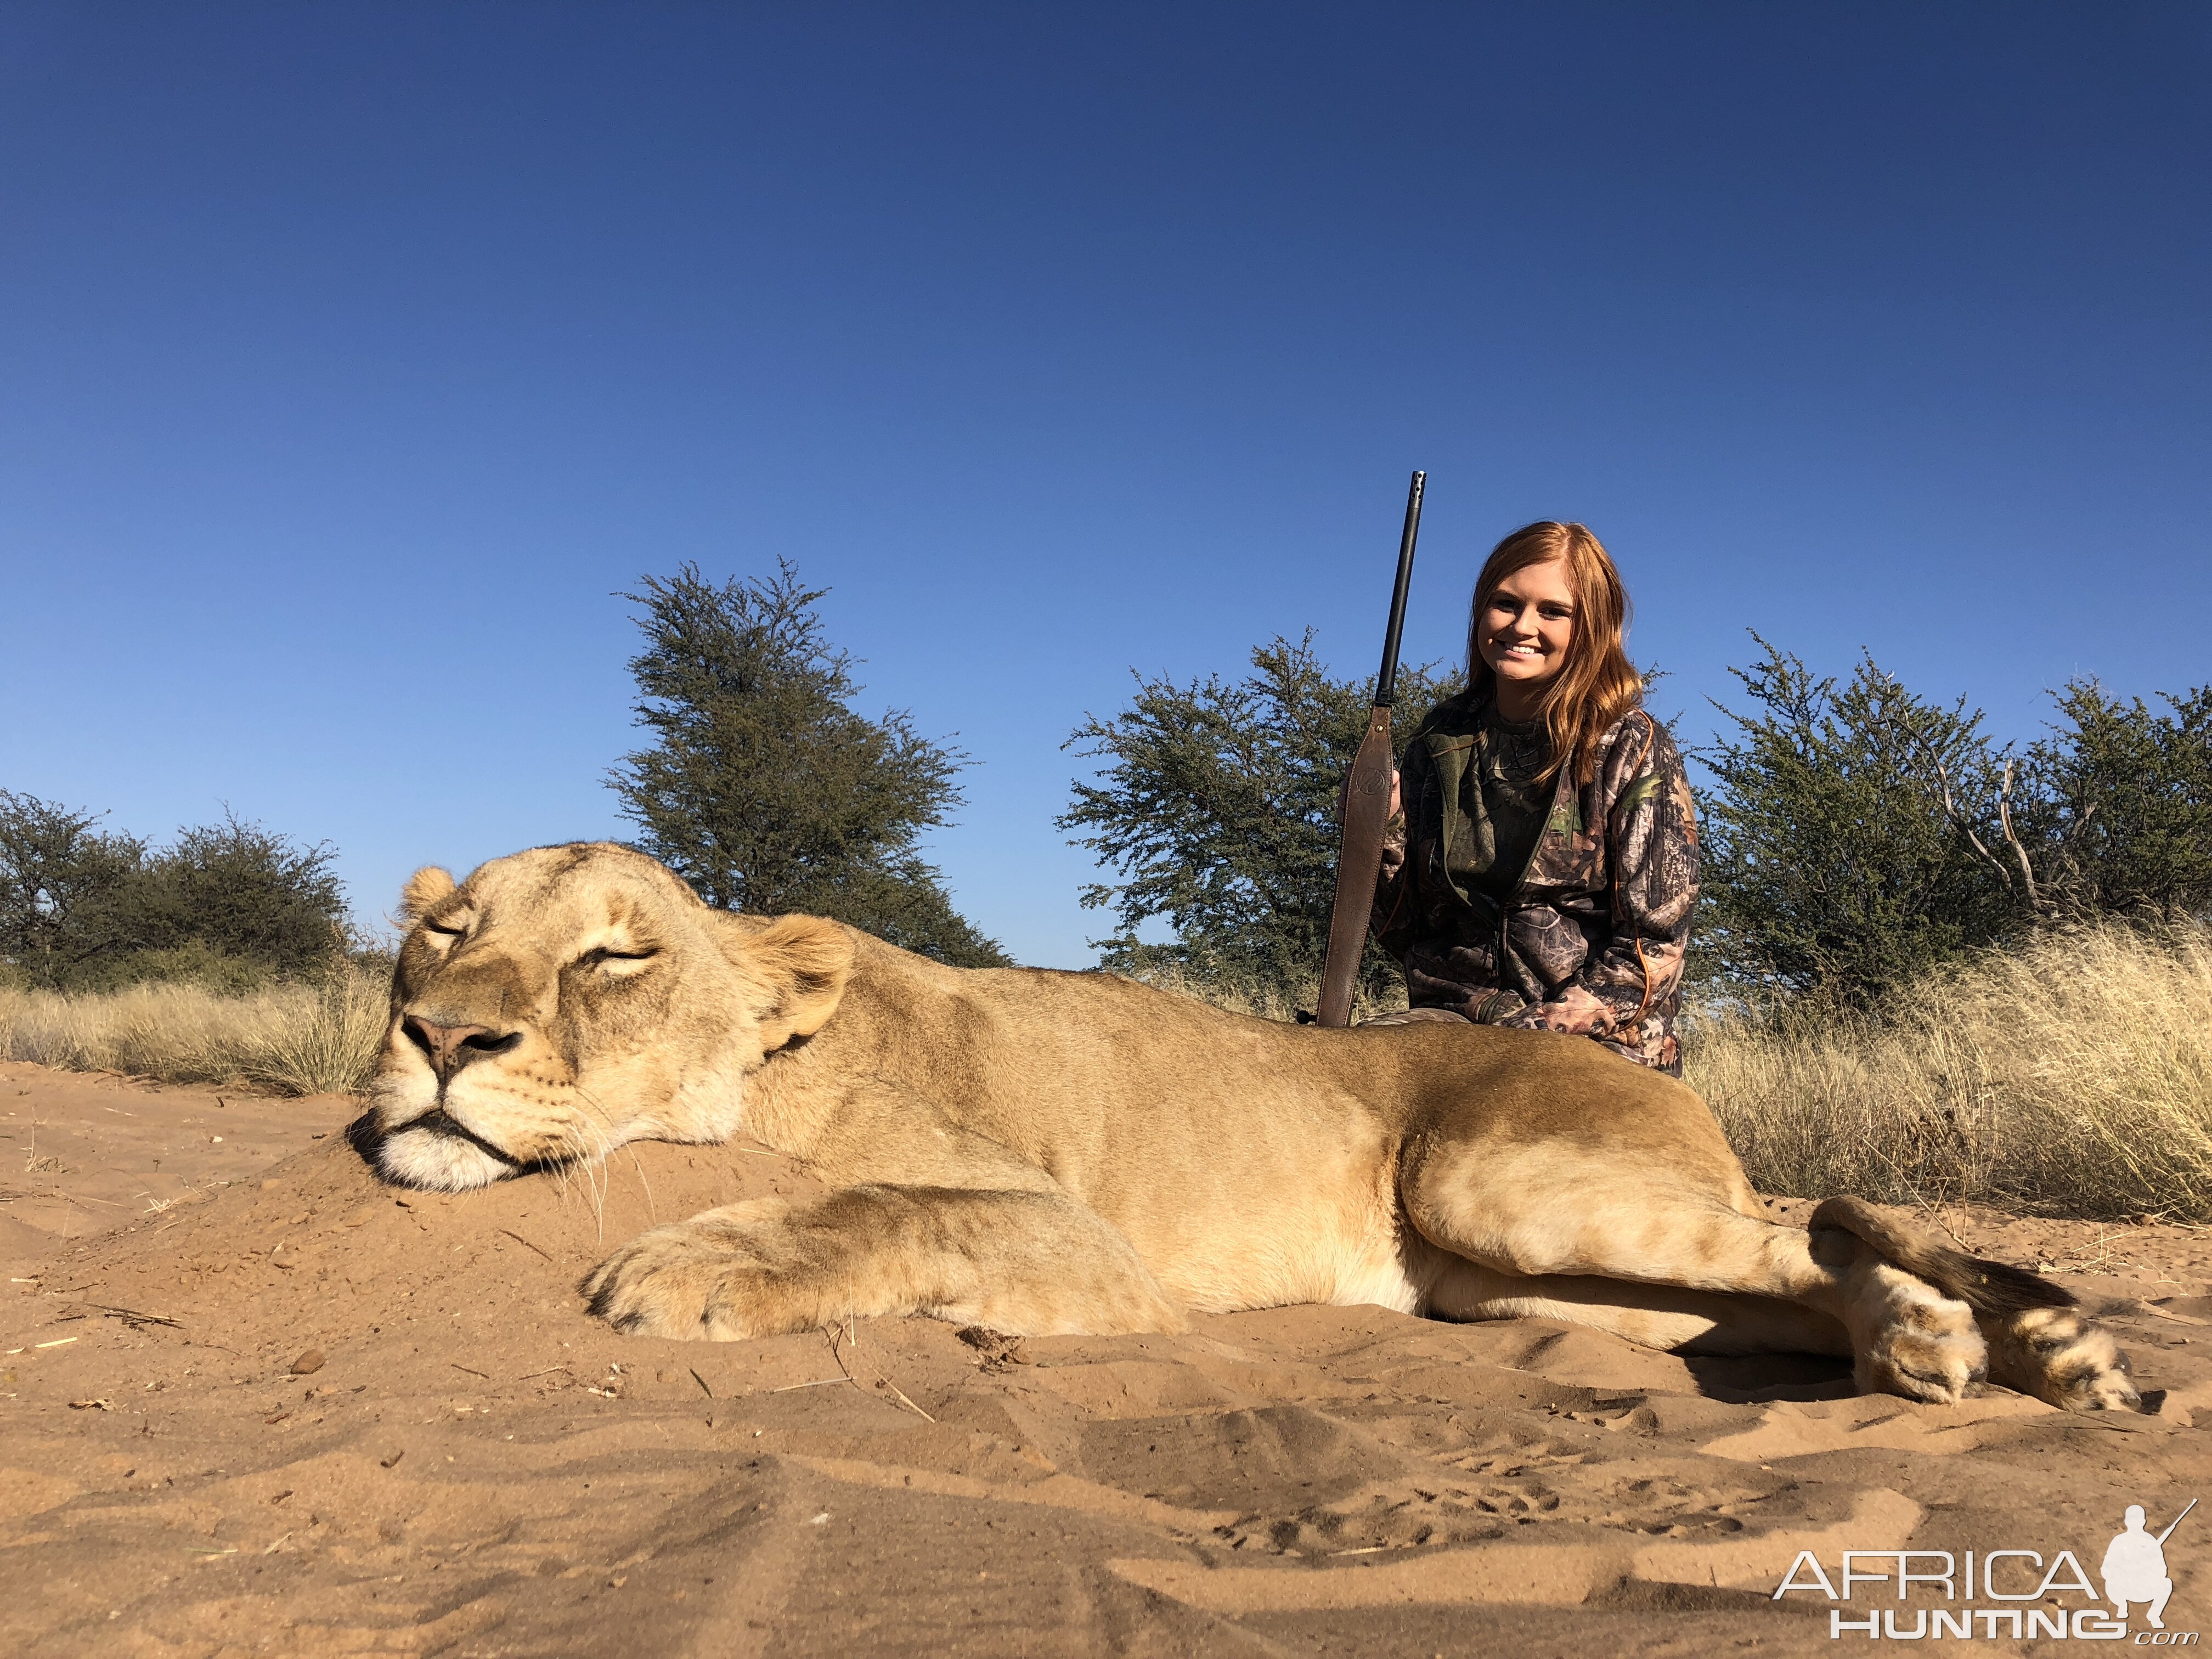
{"x": 302, "y": 1413}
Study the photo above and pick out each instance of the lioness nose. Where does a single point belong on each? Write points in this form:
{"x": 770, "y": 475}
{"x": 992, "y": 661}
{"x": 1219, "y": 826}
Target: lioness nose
{"x": 452, "y": 1047}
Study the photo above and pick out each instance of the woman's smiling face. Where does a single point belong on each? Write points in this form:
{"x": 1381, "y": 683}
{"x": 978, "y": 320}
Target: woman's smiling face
{"x": 1525, "y": 629}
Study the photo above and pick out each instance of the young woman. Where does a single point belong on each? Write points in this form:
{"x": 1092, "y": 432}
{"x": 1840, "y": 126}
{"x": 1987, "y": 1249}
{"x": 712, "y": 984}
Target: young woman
{"x": 1543, "y": 869}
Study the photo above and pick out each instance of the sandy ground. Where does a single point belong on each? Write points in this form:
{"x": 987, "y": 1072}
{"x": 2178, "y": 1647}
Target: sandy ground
{"x": 253, "y": 1401}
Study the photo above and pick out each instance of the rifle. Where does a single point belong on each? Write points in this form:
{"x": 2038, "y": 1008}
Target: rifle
{"x": 1367, "y": 802}
{"x": 2176, "y": 1522}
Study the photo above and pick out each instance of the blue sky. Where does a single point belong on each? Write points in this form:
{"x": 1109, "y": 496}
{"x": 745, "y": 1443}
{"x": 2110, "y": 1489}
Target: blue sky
{"x": 353, "y": 357}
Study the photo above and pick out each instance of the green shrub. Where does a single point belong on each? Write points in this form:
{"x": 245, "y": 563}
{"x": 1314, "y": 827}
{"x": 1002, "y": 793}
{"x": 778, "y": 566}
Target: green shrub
{"x": 230, "y": 904}
{"x": 1857, "y": 837}
{"x": 1217, "y": 808}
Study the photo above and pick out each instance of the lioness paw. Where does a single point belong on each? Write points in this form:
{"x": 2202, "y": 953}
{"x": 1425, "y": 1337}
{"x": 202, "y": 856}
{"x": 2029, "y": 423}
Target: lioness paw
{"x": 677, "y": 1283}
{"x": 2064, "y": 1360}
{"x": 1920, "y": 1343}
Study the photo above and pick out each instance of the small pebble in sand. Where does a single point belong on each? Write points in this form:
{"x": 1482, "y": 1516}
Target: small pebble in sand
{"x": 308, "y": 1362}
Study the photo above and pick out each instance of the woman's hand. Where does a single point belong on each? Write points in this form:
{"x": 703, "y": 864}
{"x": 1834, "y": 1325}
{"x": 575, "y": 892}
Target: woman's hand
{"x": 1577, "y": 1013}
{"x": 1393, "y": 794}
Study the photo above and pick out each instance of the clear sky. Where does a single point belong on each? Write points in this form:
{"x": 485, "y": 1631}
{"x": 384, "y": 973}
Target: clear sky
{"x": 353, "y": 357}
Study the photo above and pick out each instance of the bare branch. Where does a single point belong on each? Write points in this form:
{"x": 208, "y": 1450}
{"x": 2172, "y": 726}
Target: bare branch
{"x": 2004, "y": 818}
{"x": 1959, "y": 819}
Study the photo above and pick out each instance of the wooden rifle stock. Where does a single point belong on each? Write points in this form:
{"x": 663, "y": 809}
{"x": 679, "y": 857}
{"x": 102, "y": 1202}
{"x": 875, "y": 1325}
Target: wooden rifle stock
{"x": 1367, "y": 802}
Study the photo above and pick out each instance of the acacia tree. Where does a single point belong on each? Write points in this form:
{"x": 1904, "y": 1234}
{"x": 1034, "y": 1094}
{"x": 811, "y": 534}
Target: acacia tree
{"x": 764, "y": 788}
{"x": 1217, "y": 805}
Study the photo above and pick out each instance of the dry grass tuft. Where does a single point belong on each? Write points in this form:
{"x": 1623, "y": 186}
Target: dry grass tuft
{"x": 2071, "y": 1077}
{"x": 290, "y": 1040}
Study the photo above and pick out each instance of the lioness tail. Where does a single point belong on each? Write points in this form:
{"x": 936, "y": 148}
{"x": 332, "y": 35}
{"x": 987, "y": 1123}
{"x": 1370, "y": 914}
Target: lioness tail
{"x": 1987, "y": 1287}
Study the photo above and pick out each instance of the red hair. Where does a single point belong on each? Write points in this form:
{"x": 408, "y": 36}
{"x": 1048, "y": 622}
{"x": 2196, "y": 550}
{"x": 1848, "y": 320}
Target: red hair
{"x": 1596, "y": 686}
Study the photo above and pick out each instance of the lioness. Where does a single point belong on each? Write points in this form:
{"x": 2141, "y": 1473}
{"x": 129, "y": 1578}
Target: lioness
{"x": 1057, "y": 1152}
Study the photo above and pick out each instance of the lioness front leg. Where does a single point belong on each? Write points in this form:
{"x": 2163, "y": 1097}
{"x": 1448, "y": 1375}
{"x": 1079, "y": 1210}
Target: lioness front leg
{"x": 1029, "y": 1263}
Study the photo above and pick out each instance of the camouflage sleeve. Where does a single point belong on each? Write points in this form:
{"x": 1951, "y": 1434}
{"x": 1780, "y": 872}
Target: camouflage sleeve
{"x": 1628, "y": 990}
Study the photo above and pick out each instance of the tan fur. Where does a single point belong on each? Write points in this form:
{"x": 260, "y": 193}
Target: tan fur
{"x": 426, "y": 889}
{"x": 1045, "y": 1151}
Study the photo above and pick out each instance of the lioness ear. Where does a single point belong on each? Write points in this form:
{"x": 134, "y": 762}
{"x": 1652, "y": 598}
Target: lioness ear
{"x": 426, "y": 889}
{"x": 805, "y": 961}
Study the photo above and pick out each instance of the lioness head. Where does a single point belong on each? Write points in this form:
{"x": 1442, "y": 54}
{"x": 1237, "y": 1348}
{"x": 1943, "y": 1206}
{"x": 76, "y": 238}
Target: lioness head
{"x": 567, "y": 999}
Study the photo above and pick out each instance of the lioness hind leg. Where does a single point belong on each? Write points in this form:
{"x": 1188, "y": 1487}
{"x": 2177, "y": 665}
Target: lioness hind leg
{"x": 1539, "y": 1210}
{"x": 1029, "y": 1263}
{"x": 1670, "y": 1317}
{"x": 2039, "y": 1343}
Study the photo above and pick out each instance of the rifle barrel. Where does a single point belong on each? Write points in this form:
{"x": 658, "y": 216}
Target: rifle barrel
{"x": 1366, "y": 803}
{"x": 2176, "y": 1522}
{"x": 1386, "y": 680}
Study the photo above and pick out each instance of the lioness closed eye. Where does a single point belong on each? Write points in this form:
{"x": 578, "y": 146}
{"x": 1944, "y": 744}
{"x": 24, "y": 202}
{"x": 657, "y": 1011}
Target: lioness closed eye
{"x": 1052, "y": 1153}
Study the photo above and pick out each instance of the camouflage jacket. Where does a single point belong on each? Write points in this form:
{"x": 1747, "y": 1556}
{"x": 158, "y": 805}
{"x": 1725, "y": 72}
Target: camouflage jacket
{"x": 1591, "y": 939}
